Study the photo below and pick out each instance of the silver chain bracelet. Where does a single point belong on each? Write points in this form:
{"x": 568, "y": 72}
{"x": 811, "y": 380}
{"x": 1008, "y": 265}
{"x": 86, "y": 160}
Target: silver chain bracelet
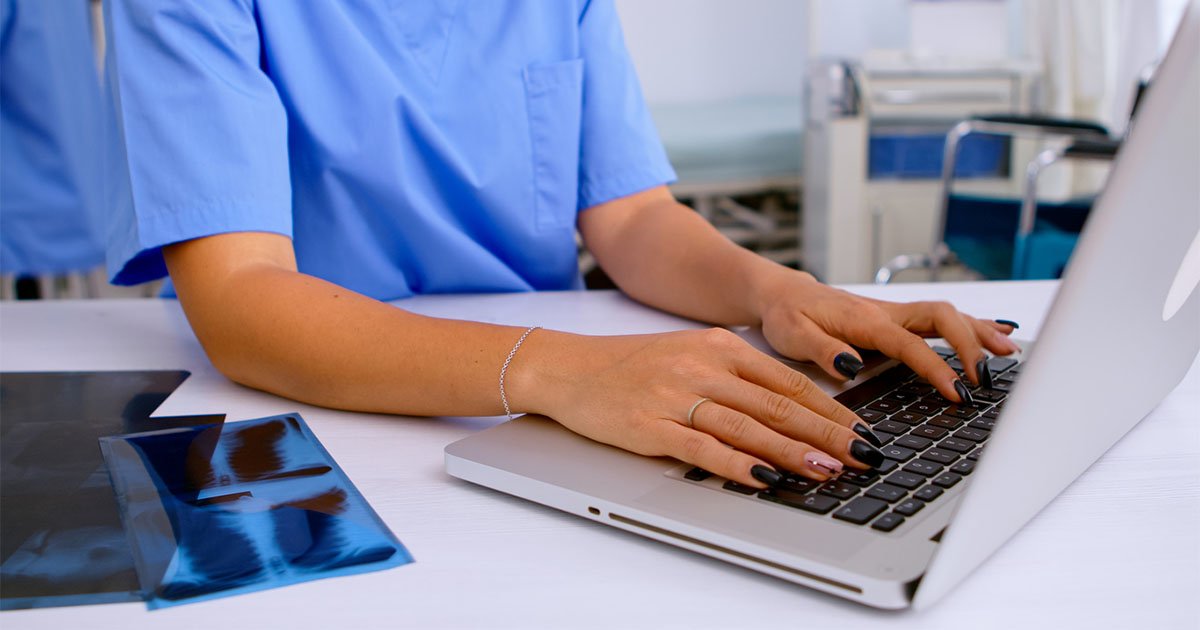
{"x": 504, "y": 369}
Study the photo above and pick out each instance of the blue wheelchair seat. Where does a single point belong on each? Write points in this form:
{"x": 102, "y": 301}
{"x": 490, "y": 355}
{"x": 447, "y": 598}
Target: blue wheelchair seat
{"x": 982, "y": 232}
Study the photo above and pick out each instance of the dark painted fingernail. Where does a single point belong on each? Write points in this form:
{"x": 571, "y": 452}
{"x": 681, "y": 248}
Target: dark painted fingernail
{"x": 963, "y": 393}
{"x": 1007, "y": 322}
{"x": 866, "y": 453}
{"x": 983, "y": 373}
{"x": 848, "y": 364}
{"x": 868, "y": 435}
{"x": 766, "y": 475}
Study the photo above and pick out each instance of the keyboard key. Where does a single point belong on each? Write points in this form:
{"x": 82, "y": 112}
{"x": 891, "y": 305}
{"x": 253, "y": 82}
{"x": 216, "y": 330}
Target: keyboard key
{"x": 928, "y": 493}
{"x": 928, "y": 431}
{"x": 860, "y": 510}
{"x": 992, "y": 395}
{"x": 937, "y": 400}
{"x": 1003, "y": 386}
{"x": 887, "y": 466}
{"x": 870, "y": 415}
{"x": 947, "y": 480}
{"x": 943, "y": 351}
{"x": 908, "y": 417}
{"x": 737, "y": 487}
{"x": 905, "y": 480}
{"x": 956, "y": 445}
{"x": 903, "y": 374}
{"x": 839, "y": 489}
{"x": 890, "y": 426}
{"x": 999, "y": 364}
{"x": 966, "y": 412}
{"x": 782, "y": 495}
{"x": 873, "y": 388}
{"x": 955, "y": 364}
{"x": 965, "y": 467}
{"x": 946, "y": 422}
{"x": 914, "y": 442}
{"x": 982, "y": 422}
{"x": 940, "y": 456}
{"x": 886, "y": 406}
{"x": 923, "y": 467}
{"x": 862, "y": 478}
{"x": 817, "y": 503}
{"x": 974, "y": 456}
{"x": 908, "y": 507}
{"x": 697, "y": 474}
{"x": 919, "y": 389}
{"x": 898, "y": 453}
{"x": 887, "y": 522}
{"x": 797, "y": 484}
{"x": 902, "y": 397}
{"x": 992, "y": 413}
{"x": 924, "y": 408}
{"x": 974, "y": 435}
{"x": 887, "y": 492}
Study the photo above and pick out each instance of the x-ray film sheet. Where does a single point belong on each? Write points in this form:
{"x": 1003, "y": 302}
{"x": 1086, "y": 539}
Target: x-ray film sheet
{"x": 61, "y": 540}
{"x": 236, "y": 508}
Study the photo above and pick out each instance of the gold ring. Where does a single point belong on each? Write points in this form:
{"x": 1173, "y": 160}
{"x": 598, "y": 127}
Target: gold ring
{"x": 692, "y": 411}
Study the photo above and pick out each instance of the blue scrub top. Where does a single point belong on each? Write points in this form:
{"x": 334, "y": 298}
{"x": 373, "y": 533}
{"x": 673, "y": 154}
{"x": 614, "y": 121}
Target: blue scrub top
{"x": 50, "y": 134}
{"x": 406, "y": 146}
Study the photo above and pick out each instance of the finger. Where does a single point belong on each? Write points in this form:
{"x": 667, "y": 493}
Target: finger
{"x": 809, "y": 342}
{"x": 703, "y": 450}
{"x": 898, "y": 343}
{"x": 994, "y": 336}
{"x": 943, "y": 320}
{"x": 768, "y": 373}
{"x": 787, "y": 417}
{"x": 749, "y": 436}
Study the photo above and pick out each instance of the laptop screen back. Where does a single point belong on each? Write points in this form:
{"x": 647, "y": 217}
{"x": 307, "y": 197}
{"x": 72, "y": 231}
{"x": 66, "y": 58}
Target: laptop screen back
{"x": 1105, "y": 357}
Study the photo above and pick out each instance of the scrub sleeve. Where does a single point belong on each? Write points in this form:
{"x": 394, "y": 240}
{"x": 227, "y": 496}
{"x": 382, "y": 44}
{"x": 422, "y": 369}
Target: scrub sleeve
{"x": 201, "y": 135}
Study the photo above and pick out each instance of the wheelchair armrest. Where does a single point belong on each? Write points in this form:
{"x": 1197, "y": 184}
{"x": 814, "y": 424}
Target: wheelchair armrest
{"x": 1047, "y": 123}
{"x": 1092, "y": 149}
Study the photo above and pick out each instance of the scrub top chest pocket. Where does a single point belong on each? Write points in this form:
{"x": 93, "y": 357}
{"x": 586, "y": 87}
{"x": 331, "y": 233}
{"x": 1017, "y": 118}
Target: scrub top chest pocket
{"x": 554, "y": 98}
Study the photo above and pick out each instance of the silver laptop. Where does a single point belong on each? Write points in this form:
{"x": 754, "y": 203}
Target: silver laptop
{"x": 1129, "y": 292}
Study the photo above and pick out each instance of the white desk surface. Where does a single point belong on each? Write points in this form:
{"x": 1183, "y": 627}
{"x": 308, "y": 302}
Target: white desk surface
{"x": 1119, "y": 548}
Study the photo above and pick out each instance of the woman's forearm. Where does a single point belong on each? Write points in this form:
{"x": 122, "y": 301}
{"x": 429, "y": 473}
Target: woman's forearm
{"x": 269, "y": 327}
{"x": 664, "y": 254}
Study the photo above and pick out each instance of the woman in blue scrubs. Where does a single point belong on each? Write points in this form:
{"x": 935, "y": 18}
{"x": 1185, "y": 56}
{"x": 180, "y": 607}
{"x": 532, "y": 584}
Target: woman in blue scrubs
{"x": 294, "y": 164}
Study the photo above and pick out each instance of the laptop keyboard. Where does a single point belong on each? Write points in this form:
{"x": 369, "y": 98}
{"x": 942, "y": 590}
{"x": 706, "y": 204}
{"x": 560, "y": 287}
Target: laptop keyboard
{"x": 930, "y": 443}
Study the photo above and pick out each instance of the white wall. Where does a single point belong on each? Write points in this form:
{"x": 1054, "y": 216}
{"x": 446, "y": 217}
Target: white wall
{"x": 710, "y": 50}
{"x": 707, "y": 50}
{"x": 848, "y": 28}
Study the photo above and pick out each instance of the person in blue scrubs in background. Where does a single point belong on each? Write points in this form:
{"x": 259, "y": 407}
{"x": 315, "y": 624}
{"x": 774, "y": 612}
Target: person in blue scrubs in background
{"x": 292, "y": 165}
{"x": 50, "y": 134}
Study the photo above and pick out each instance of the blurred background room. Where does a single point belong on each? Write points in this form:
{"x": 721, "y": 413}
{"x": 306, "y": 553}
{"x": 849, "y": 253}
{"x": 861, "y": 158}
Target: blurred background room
{"x": 860, "y": 140}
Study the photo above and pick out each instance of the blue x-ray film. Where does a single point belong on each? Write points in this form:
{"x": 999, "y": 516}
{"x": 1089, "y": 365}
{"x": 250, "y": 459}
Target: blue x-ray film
{"x": 236, "y": 508}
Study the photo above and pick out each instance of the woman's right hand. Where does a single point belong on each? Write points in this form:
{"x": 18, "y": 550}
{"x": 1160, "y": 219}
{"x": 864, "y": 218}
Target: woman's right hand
{"x": 635, "y": 392}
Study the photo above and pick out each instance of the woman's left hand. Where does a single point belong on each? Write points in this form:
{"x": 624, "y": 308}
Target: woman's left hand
{"x": 808, "y": 320}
